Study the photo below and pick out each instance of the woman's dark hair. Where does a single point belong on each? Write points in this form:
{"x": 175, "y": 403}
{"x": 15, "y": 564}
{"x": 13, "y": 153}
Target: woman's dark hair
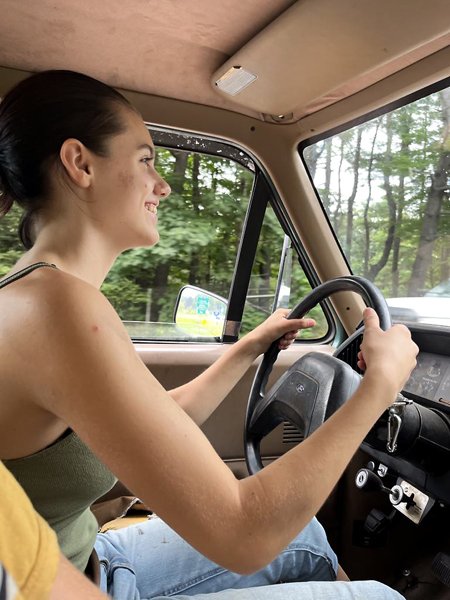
{"x": 36, "y": 117}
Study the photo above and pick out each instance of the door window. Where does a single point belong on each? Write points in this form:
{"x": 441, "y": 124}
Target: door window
{"x": 200, "y": 227}
{"x": 278, "y": 280}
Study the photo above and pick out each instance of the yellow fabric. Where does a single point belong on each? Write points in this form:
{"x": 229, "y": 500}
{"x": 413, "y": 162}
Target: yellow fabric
{"x": 28, "y": 547}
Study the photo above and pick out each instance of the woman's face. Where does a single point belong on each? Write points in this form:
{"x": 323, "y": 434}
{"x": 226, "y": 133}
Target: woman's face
{"x": 127, "y": 187}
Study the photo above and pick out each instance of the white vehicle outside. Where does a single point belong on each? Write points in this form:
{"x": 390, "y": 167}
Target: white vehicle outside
{"x": 432, "y": 308}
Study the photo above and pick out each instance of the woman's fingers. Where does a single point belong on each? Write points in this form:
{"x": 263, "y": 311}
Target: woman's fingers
{"x": 361, "y": 362}
{"x": 371, "y": 319}
{"x": 277, "y": 327}
{"x": 287, "y": 339}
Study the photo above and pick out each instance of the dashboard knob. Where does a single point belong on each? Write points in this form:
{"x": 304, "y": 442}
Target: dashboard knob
{"x": 396, "y": 495}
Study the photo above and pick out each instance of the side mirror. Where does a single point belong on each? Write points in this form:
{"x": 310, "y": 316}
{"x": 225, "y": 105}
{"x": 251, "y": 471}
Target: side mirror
{"x": 200, "y": 312}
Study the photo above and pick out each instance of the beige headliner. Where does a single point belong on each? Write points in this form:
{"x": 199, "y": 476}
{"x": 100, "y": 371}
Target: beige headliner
{"x": 168, "y": 48}
{"x": 306, "y": 54}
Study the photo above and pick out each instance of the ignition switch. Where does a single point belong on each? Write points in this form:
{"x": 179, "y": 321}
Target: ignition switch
{"x": 368, "y": 481}
{"x": 407, "y": 499}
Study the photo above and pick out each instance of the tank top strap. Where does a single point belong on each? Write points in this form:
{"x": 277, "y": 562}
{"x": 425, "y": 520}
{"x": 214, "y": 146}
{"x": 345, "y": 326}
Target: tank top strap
{"x": 25, "y": 271}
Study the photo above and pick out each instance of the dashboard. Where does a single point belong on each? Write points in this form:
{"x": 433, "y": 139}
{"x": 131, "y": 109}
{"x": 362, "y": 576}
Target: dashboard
{"x": 430, "y": 379}
{"x": 423, "y": 454}
{"x": 429, "y": 383}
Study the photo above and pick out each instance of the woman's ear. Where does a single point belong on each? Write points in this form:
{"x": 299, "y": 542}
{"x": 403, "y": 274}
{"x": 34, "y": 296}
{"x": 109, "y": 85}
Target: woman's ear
{"x": 75, "y": 158}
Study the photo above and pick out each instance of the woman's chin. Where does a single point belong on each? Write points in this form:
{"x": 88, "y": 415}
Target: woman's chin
{"x": 149, "y": 239}
{"x": 141, "y": 241}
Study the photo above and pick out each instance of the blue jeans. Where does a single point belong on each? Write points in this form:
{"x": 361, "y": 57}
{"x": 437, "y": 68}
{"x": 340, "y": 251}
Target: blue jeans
{"x": 149, "y": 560}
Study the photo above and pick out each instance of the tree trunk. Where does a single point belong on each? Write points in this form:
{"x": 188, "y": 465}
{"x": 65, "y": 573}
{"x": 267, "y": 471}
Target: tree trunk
{"x": 326, "y": 191}
{"x": 264, "y": 302}
{"x": 367, "y": 205}
{"x": 337, "y": 211}
{"x": 195, "y": 177}
{"x": 445, "y": 260}
{"x": 405, "y": 128}
{"x": 387, "y": 171}
{"x": 179, "y": 171}
{"x": 351, "y": 198}
{"x": 396, "y": 244}
{"x": 159, "y": 286}
{"x": 194, "y": 277}
{"x": 312, "y": 155}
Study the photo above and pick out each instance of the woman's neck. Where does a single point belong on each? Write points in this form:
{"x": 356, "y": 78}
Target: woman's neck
{"x": 86, "y": 255}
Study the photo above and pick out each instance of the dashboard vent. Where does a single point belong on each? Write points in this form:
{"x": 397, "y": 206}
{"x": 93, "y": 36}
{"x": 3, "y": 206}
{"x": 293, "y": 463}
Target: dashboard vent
{"x": 291, "y": 435}
{"x": 349, "y": 354}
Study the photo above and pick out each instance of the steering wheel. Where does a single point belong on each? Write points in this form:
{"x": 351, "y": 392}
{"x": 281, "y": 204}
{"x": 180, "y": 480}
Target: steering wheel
{"x": 315, "y": 386}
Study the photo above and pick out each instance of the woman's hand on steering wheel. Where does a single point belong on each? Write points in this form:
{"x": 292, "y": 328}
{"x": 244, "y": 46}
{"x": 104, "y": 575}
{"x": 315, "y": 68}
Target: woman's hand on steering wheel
{"x": 277, "y": 327}
{"x": 389, "y": 355}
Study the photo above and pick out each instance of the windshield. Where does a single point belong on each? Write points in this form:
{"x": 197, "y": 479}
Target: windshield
{"x": 384, "y": 185}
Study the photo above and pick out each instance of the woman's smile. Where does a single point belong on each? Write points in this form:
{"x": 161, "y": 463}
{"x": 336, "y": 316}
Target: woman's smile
{"x": 150, "y": 207}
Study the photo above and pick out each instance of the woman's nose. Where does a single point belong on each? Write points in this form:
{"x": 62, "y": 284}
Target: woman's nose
{"x": 163, "y": 188}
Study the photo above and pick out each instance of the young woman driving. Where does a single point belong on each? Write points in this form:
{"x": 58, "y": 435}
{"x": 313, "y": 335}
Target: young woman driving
{"x": 79, "y": 409}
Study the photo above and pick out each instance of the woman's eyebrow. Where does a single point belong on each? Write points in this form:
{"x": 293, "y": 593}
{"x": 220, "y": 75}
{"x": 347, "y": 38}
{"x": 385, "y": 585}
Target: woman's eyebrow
{"x": 151, "y": 149}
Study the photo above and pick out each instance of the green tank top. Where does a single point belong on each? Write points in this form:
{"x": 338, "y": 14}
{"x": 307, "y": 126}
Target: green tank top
{"x": 62, "y": 481}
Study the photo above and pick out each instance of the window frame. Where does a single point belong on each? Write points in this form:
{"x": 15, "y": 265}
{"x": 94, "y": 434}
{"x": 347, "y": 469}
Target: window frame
{"x": 262, "y": 194}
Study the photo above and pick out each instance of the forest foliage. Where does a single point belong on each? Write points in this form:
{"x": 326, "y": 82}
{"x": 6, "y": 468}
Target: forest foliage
{"x": 385, "y": 187}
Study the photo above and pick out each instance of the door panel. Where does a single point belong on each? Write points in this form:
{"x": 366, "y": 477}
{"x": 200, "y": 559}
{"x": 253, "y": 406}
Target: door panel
{"x": 175, "y": 364}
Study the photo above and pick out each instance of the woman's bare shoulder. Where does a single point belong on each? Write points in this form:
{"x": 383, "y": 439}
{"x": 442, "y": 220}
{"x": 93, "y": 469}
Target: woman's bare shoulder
{"x": 52, "y": 296}
{"x": 73, "y": 341}
{"x": 50, "y": 315}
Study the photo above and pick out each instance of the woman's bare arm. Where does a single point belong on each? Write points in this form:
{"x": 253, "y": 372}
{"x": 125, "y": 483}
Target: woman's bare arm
{"x": 201, "y": 396}
{"x": 89, "y": 375}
